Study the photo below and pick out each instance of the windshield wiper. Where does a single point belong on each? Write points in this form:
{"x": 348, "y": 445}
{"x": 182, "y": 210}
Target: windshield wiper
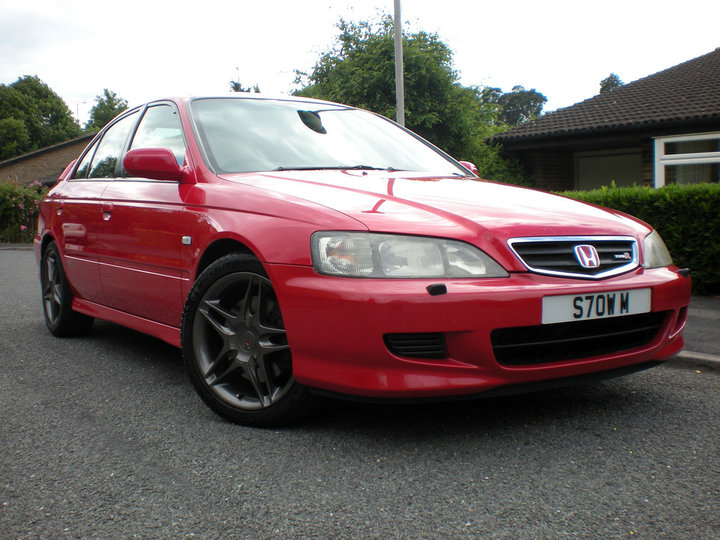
{"x": 337, "y": 168}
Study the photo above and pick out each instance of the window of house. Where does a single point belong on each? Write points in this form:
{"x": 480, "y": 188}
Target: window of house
{"x": 622, "y": 166}
{"x": 687, "y": 159}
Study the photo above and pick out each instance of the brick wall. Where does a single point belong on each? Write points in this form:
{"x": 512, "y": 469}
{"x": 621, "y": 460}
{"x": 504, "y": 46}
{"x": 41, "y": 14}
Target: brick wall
{"x": 44, "y": 165}
{"x": 648, "y": 163}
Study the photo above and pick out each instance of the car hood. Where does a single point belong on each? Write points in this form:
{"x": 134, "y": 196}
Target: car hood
{"x": 468, "y": 209}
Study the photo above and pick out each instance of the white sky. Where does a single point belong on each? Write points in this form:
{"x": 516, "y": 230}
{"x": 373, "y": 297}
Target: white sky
{"x": 147, "y": 49}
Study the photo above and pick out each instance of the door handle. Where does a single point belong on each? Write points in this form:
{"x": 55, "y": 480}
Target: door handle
{"x": 107, "y": 209}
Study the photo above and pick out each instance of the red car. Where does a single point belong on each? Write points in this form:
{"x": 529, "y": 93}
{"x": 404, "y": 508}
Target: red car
{"x": 293, "y": 247}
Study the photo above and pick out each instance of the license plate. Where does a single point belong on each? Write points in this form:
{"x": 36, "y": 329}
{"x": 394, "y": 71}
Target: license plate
{"x": 588, "y": 306}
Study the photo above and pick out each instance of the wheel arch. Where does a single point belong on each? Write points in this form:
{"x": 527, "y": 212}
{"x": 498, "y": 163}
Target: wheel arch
{"x": 219, "y": 248}
{"x": 45, "y": 240}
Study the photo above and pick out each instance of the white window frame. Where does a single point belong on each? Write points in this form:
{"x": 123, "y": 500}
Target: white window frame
{"x": 662, "y": 160}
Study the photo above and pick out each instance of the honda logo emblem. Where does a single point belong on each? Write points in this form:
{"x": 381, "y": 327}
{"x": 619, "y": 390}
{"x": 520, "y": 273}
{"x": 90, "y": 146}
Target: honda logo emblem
{"x": 587, "y": 256}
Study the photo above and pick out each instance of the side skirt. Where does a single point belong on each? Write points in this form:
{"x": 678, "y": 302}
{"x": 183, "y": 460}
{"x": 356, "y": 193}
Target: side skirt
{"x": 169, "y": 334}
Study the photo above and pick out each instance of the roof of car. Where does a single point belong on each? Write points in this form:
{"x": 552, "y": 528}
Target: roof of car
{"x": 686, "y": 92}
{"x": 261, "y": 96}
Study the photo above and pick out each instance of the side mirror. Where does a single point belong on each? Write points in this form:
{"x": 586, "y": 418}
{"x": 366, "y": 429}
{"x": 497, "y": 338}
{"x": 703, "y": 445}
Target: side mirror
{"x": 470, "y": 167}
{"x": 153, "y": 163}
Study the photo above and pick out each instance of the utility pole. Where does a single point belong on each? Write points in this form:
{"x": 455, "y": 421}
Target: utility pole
{"x": 399, "y": 82}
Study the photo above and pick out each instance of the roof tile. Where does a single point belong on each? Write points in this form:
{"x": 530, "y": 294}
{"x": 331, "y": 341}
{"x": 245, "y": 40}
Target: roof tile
{"x": 688, "y": 91}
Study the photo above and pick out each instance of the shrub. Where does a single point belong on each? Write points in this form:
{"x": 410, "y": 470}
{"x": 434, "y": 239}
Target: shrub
{"x": 18, "y": 210}
{"x": 687, "y": 217}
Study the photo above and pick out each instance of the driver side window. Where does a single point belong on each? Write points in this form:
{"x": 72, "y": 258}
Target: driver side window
{"x": 160, "y": 127}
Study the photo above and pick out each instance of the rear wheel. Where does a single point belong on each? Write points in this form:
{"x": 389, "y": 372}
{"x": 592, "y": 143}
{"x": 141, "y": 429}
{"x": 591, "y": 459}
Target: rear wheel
{"x": 60, "y": 319}
{"x": 235, "y": 345}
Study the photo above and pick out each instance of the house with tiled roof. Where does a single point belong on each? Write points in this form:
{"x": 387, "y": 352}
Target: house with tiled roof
{"x": 662, "y": 129}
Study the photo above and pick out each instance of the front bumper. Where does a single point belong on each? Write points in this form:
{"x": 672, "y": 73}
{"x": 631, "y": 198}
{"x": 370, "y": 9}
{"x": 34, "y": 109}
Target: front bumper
{"x": 336, "y": 329}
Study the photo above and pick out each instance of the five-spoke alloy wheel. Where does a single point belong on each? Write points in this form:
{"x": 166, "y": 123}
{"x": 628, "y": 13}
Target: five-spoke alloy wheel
{"x": 235, "y": 345}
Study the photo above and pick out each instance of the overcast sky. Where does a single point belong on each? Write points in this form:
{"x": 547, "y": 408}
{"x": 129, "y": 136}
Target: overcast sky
{"x": 147, "y": 49}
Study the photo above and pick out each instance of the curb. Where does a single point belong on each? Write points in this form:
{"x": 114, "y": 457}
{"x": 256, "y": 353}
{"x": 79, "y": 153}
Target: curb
{"x": 695, "y": 359}
{"x": 16, "y": 247}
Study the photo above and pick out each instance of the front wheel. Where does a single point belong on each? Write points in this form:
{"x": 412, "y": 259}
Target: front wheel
{"x": 235, "y": 345}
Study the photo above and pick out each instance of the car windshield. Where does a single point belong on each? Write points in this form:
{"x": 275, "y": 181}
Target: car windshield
{"x": 252, "y": 135}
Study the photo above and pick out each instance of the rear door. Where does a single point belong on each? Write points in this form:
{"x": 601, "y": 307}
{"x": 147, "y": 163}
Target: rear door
{"x": 78, "y": 208}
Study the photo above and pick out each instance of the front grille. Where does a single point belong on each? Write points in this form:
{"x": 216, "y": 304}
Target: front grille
{"x": 422, "y": 346}
{"x": 528, "y": 345}
{"x": 556, "y": 255}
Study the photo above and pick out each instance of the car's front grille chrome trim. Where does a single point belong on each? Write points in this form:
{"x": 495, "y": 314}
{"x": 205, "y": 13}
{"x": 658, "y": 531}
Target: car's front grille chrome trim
{"x": 555, "y": 255}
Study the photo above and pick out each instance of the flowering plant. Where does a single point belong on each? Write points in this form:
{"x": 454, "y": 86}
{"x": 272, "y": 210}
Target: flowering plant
{"x": 18, "y": 210}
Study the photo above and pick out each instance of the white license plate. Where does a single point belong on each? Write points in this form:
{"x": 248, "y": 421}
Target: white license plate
{"x": 588, "y": 306}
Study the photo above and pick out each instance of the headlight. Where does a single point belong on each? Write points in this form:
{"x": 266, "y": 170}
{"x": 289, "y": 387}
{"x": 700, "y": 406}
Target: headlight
{"x": 656, "y": 254}
{"x": 355, "y": 254}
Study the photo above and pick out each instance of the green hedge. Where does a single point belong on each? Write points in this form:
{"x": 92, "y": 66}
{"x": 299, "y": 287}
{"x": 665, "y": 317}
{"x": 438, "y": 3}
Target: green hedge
{"x": 18, "y": 210}
{"x": 687, "y": 217}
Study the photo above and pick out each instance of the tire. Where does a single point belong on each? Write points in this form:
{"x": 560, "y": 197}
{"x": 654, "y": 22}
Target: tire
{"x": 235, "y": 346}
{"x": 57, "y": 295}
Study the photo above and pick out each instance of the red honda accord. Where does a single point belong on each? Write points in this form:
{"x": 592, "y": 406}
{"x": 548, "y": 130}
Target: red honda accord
{"x": 293, "y": 247}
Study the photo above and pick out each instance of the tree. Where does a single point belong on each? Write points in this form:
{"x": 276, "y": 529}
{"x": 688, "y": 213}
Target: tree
{"x": 13, "y": 137}
{"x": 237, "y": 87}
{"x": 107, "y": 106}
{"x": 32, "y": 116}
{"x": 517, "y": 106}
{"x": 359, "y": 70}
{"x": 611, "y": 82}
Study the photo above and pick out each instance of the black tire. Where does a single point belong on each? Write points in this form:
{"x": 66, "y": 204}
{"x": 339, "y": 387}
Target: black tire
{"x": 235, "y": 347}
{"x": 60, "y": 319}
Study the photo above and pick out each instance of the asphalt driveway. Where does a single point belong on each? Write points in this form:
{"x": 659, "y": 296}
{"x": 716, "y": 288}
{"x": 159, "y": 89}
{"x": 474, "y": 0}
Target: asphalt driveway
{"x": 103, "y": 436}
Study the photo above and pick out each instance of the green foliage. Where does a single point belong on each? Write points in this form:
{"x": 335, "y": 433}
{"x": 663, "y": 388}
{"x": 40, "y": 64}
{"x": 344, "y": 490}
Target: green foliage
{"x": 13, "y": 137}
{"x": 611, "y": 82}
{"x": 514, "y": 107}
{"x": 360, "y": 71}
{"x": 32, "y": 116}
{"x": 18, "y": 210}
{"x": 492, "y": 166}
{"x": 686, "y": 217}
{"x": 235, "y": 86}
{"x": 107, "y": 106}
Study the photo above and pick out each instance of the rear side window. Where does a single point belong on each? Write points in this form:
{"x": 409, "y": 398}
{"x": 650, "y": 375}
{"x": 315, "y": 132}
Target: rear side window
{"x": 84, "y": 167}
{"x": 101, "y": 162}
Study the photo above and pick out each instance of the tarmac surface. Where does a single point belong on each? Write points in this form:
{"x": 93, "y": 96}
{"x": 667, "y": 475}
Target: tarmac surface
{"x": 102, "y": 436}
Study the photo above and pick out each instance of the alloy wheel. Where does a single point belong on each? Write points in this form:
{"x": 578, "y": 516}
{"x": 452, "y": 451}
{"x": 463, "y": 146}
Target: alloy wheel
{"x": 240, "y": 343}
{"x": 52, "y": 288}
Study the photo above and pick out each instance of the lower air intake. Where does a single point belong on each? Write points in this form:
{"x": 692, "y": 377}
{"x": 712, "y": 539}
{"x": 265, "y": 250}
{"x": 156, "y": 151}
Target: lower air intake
{"x": 421, "y": 346}
{"x": 561, "y": 342}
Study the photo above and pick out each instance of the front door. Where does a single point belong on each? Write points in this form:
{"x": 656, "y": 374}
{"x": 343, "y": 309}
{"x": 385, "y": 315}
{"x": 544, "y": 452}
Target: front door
{"x": 141, "y": 241}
